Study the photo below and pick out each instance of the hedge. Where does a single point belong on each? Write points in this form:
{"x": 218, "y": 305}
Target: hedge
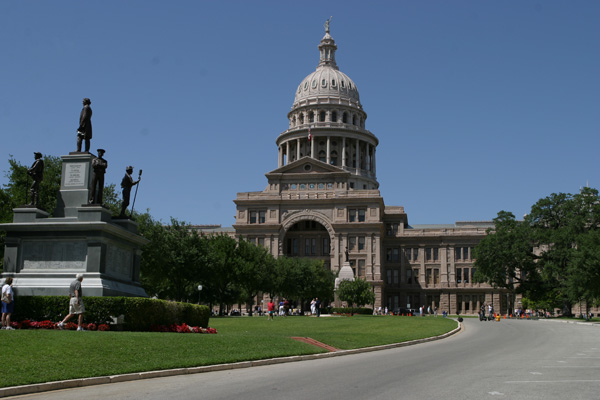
{"x": 352, "y": 310}
{"x": 139, "y": 313}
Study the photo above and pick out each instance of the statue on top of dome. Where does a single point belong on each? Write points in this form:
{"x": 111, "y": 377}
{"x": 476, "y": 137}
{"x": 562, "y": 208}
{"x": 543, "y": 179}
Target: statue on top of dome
{"x": 327, "y": 24}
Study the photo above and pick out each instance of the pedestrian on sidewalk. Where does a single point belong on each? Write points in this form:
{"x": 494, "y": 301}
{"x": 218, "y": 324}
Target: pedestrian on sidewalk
{"x": 8, "y": 303}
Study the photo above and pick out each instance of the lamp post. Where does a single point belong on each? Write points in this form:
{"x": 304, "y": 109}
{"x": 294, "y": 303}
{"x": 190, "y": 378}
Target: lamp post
{"x": 199, "y": 291}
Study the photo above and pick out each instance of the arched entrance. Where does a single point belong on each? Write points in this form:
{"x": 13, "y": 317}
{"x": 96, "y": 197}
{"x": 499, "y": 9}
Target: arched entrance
{"x": 309, "y": 235}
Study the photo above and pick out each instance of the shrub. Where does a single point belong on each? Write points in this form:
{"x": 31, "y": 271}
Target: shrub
{"x": 139, "y": 313}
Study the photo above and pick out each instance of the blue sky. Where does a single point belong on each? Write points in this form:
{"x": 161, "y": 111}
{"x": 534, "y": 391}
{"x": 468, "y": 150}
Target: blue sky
{"x": 479, "y": 106}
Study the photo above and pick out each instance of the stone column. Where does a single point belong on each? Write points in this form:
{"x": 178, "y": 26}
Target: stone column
{"x": 287, "y": 152}
{"x": 343, "y": 151}
{"x": 368, "y": 160}
{"x": 297, "y": 149}
{"x": 328, "y": 149}
{"x": 312, "y": 147}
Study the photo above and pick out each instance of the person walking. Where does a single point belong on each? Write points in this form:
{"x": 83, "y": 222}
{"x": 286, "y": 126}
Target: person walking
{"x": 270, "y": 310}
{"x": 8, "y": 303}
{"x": 76, "y": 306}
{"x": 318, "y": 306}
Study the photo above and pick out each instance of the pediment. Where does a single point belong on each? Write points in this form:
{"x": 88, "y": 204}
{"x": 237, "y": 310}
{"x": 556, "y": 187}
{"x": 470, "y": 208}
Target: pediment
{"x": 307, "y": 165}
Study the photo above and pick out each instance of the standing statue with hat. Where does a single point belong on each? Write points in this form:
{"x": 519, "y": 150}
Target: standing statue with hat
{"x": 126, "y": 184}
{"x": 99, "y": 166}
{"x": 37, "y": 173}
{"x": 84, "y": 132}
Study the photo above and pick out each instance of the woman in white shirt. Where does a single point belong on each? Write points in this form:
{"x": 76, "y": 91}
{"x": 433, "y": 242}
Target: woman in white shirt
{"x": 8, "y": 303}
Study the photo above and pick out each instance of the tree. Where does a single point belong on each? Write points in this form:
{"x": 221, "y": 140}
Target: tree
{"x": 255, "y": 269}
{"x": 357, "y": 292}
{"x": 551, "y": 257}
{"x": 16, "y": 192}
{"x": 171, "y": 262}
{"x": 218, "y": 273}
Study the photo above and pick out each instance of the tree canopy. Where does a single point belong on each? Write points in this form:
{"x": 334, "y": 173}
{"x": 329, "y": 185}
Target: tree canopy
{"x": 356, "y": 293}
{"x": 552, "y": 256}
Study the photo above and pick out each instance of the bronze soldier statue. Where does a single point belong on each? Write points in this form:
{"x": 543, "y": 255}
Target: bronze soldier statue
{"x": 84, "y": 132}
{"x": 37, "y": 173}
{"x": 126, "y": 184}
{"x": 99, "y": 166}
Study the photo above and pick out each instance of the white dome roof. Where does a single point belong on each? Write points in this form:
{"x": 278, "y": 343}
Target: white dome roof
{"x": 327, "y": 81}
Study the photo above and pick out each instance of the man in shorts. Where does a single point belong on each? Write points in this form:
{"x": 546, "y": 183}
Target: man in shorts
{"x": 75, "y": 304}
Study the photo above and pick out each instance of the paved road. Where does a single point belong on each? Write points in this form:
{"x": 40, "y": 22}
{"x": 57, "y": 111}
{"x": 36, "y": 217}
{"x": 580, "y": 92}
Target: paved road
{"x": 488, "y": 360}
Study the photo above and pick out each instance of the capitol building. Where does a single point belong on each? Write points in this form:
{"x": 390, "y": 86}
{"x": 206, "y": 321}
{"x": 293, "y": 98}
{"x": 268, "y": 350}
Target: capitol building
{"x": 323, "y": 202}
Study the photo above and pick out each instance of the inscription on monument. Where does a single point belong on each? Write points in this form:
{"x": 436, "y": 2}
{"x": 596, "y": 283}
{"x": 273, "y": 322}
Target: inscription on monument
{"x": 119, "y": 262}
{"x": 54, "y": 255}
{"x": 75, "y": 174}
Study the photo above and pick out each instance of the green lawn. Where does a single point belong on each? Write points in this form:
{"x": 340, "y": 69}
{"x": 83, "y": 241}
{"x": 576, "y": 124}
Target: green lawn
{"x": 42, "y": 356}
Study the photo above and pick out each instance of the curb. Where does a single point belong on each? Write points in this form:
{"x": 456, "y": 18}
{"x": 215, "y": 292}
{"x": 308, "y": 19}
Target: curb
{"x": 101, "y": 380}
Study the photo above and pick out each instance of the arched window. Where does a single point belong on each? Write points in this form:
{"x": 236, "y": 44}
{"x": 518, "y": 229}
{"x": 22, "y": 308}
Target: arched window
{"x": 322, "y": 156}
{"x": 301, "y": 118}
{"x": 344, "y": 117}
{"x": 334, "y": 158}
{"x": 311, "y": 117}
{"x": 322, "y": 116}
{"x": 354, "y": 120}
{"x": 334, "y": 116}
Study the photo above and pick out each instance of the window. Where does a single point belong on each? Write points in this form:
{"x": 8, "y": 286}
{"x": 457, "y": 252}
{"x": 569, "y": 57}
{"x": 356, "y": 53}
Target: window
{"x": 351, "y": 215}
{"x": 409, "y": 276}
{"x": 361, "y": 268}
{"x": 333, "y": 83}
{"x": 344, "y": 115}
{"x": 466, "y": 275}
{"x": 459, "y": 275}
{"x": 416, "y": 275}
{"x": 389, "y": 276}
{"x": 306, "y": 247}
{"x": 322, "y": 116}
{"x": 388, "y": 253}
{"x": 311, "y": 117}
{"x": 314, "y": 83}
{"x": 292, "y": 247}
{"x": 326, "y": 246}
{"x": 324, "y": 82}
{"x": 436, "y": 276}
{"x": 334, "y": 157}
{"x": 395, "y": 254}
{"x": 322, "y": 156}
{"x": 351, "y": 243}
{"x": 361, "y": 215}
{"x": 361, "y": 243}
{"x": 392, "y": 229}
{"x": 261, "y": 241}
{"x": 396, "y": 276}
{"x": 257, "y": 217}
{"x": 432, "y": 253}
{"x": 428, "y": 276}
{"x": 334, "y": 116}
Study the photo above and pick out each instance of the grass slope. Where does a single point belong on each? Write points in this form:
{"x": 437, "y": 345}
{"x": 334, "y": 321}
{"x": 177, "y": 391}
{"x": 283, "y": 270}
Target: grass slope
{"x": 35, "y": 356}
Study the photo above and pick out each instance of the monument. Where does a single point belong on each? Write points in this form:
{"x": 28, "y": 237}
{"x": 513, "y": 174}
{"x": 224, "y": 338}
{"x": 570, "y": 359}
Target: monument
{"x": 43, "y": 253}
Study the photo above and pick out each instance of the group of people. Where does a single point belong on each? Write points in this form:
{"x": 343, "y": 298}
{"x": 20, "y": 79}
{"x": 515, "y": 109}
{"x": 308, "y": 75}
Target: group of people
{"x": 284, "y": 306}
{"x": 76, "y": 306}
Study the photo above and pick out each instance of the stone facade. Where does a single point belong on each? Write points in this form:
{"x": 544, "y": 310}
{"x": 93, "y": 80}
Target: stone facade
{"x": 323, "y": 200}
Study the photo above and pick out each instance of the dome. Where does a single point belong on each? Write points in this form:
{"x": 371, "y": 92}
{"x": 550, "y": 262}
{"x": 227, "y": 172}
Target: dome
{"x": 327, "y": 82}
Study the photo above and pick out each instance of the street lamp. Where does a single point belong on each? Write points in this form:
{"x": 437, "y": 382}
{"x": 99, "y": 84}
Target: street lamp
{"x": 199, "y": 291}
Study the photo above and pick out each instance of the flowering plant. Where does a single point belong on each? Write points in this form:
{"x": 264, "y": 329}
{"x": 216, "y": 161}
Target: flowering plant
{"x": 103, "y": 327}
{"x": 183, "y": 328}
{"x": 91, "y": 327}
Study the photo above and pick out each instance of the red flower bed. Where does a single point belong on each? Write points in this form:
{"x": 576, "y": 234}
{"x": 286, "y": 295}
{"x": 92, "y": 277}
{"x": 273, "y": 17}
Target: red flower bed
{"x": 183, "y": 328}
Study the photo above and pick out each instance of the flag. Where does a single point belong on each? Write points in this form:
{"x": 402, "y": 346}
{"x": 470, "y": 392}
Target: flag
{"x": 309, "y": 134}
